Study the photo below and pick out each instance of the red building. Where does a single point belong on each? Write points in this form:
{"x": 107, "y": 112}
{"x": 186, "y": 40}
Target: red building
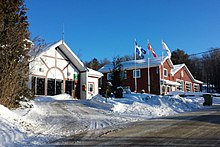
{"x": 164, "y": 77}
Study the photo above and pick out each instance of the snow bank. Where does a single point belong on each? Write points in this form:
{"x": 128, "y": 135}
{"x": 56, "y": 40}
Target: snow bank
{"x": 145, "y": 105}
{"x": 61, "y": 97}
{"x": 48, "y": 118}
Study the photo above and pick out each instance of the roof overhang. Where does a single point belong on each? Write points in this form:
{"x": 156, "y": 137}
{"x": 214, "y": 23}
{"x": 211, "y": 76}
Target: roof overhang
{"x": 72, "y": 57}
{"x": 168, "y": 82}
{"x": 93, "y": 73}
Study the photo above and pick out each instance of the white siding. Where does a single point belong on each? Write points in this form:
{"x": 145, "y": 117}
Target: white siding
{"x": 96, "y": 88}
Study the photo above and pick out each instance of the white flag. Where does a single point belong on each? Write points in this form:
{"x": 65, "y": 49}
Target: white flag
{"x": 164, "y": 46}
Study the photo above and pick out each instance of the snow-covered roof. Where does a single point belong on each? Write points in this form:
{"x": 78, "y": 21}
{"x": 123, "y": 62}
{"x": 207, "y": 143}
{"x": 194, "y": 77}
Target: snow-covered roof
{"x": 176, "y": 68}
{"x": 179, "y": 66}
{"x": 94, "y": 73}
{"x": 199, "y": 82}
{"x": 143, "y": 63}
{"x": 170, "y": 82}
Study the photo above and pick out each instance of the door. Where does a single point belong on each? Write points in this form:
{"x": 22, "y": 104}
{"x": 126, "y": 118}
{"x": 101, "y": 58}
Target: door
{"x": 69, "y": 87}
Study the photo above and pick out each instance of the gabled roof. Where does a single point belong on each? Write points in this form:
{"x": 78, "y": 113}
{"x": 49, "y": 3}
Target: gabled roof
{"x": 62, "y": 47}
{"x": 143, "y": 63}
{"x": 72, "y": 57}
{"x": 179, "y": 66}
{"x": 176, "y": 68}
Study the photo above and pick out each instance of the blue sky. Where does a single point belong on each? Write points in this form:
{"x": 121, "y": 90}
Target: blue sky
{"x": 107, "y": 28}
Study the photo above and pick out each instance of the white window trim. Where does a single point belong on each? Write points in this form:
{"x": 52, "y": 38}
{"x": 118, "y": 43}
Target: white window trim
{"x": 93, "y": 89}
{"x": 182, "y": 84}
{"x": 194, "y": 85}
{"x": 136, "y": 75}
{"x": 164, "y": 69}
{"x": 186, "y": 82}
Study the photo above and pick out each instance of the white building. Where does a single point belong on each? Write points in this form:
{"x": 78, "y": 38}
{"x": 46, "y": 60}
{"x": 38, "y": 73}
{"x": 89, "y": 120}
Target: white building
{"x": 56, "y": 69}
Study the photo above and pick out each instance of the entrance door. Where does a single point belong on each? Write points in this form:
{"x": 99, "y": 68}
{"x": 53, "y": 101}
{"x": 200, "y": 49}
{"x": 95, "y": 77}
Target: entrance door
{"x": 69, "y": 87}
{"x": 55, "y": 82}
{"x": 38, "y": 85}
{"x": 59, "y": 86}
{"x": 51, "y": 87}
{"x": 54, "y": 87}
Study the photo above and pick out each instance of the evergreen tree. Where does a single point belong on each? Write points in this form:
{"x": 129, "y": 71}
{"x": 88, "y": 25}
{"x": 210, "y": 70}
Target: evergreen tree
{"x": 94, "y": 64}
{"x": 14, "y": 58}
{"x": 179, "y": 56}
{"x": 116, "y": 73}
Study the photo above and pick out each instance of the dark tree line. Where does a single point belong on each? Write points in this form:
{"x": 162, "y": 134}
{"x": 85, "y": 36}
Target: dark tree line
{"x": 96, "y": 64}
{"x": 205, "y": 67}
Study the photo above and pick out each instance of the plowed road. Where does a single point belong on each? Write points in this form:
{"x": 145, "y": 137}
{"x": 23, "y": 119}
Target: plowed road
{"x": 201, "y": 128}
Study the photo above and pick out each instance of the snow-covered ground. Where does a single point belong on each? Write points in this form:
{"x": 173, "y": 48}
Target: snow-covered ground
{"x": 45, "y": 119}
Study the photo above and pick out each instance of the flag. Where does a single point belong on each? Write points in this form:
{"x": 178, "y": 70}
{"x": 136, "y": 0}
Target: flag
{"x": 152, "y": 51}
{"x": 139, "y": 50}
{"x": 165, "y": 47}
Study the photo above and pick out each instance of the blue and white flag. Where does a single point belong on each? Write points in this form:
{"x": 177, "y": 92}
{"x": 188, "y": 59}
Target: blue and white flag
{"x": 139, "y": 50}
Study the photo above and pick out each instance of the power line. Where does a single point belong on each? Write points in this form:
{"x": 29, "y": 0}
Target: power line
{"x": 204, "y": 52}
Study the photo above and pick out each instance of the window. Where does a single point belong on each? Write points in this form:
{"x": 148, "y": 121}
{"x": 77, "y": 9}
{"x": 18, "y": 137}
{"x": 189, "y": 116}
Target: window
{"x": 41, "y": 69}
{"x": 124, "y": 75}
{"x": 91, "y": 87}
{"x": 181, "y": 87}
{"x": 38, "y": 85}
{"x": 182, "y": 74}
{"x": 165, "y": 72}
{"x": 188, "y": 86}
{"x": 137, "y": 73}
{"x": 109, "y": 76}
{"x": 196, "y": 88}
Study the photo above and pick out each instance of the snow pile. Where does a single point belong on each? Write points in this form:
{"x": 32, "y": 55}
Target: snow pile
{"x": 13, "y": 127}
{"x": 147, "y": 106}
{"x": 48, "y": 118}
{"x": 61, "y": 97}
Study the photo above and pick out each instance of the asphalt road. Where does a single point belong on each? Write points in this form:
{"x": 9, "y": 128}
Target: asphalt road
{"x": 201, "y": 128}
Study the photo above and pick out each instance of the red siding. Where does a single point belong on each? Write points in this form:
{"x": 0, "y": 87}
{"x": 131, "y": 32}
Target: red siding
{"x": 167, "y": 66}
{"x": 185, "y": 77}
{"x": 142, "y": 82}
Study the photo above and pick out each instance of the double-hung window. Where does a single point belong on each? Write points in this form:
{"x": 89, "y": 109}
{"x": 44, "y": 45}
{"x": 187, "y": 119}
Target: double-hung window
{"x": 181, "y": 86}
{"x": 165, "y": 72}
{"x": 137, "y": 73}
{"x": 196, "y": 87}
{"x": 188, "y": 86}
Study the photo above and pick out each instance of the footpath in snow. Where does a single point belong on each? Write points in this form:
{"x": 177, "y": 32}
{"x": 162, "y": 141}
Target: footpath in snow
{"x": 45, "y": 119}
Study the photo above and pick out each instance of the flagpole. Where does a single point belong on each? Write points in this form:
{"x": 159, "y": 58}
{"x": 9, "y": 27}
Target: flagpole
{"x": 135, "y": 78}
{"x": 162, "y": 71}
{"x": 148, "y": 68}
